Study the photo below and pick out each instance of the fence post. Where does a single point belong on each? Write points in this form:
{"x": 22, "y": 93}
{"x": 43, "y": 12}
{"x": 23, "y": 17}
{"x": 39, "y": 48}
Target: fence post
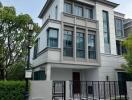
{"x": 129, "y": 90}
{"x": 67, "y": 92}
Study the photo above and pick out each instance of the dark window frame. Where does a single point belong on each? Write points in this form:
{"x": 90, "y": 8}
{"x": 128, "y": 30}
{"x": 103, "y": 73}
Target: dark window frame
{"x": 66, "y": 48}
{"x": 117, "y": 29}
{"x": 79, "y": 49}
{"x": 92, "y": 54}
{"x": 48, "y": 38}
{"x": 106, "y": 32}
{"x": 79, "y": 6}
{"x": 71, "y": 11}
{"x": 90, "y": 12}
{"x": 35, "y": 53}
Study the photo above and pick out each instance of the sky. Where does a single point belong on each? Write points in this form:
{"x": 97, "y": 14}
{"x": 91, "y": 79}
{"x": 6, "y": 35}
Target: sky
{"x": 33, "y": 7}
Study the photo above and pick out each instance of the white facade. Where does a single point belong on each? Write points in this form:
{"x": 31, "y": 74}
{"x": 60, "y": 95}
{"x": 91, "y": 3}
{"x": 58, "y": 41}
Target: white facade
{"x": 52, "y": 60}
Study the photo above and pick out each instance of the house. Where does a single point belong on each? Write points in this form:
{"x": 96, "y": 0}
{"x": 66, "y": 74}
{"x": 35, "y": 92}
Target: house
{"x": 79, "y": 41}
{"x": 127, "y": 26}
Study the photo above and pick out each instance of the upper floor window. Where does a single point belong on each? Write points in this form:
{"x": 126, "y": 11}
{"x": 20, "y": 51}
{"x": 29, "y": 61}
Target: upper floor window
{"x": 35, "y": 49}
{"x": 119, "y": 27}
{"x": 89, "y": 13}
{"x": 80, "y": 45}
{"x": 68, "y": 8}
{"x": 56, "y": 12}
{"x": 78, "y": 11}
{"x": 52, "y": 37}
{"x": 106, "y": 32}
{"x": 120, "y": 48}
{"x": 68, "y": 43}
{"x": 91, "y": 45}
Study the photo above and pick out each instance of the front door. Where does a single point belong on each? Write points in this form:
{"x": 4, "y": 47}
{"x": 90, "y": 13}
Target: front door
{"x": 76, "y": 82}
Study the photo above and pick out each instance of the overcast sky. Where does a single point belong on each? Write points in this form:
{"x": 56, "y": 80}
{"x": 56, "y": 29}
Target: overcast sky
{"x": 33, "y": 7}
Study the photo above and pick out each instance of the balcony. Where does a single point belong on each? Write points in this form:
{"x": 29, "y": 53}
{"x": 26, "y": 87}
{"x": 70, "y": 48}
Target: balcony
{"x": 80, "y": 21}
{"x": 47, "y": 55}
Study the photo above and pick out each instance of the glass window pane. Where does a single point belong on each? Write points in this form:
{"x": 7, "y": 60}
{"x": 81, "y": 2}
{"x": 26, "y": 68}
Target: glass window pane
{"x": 106, "y": 32}
{"x": 78, "y": 11}
{"x": 68, "y": 43}
{"x": 80, "y": 45}
{"x": 91, "y": 46}
{"x": 118, "y": 27}
{"x": 52, "y": 38}
{"x": 68, "y": 8}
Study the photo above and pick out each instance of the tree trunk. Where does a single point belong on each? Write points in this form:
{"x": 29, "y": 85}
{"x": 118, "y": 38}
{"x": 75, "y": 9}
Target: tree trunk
{"x": 1, "y": 74}
{"x": 5, "y": 74}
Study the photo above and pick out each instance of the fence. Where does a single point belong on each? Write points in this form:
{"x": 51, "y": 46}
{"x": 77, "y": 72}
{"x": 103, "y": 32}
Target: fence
{"x": 58, "y": 90}
{"x": 90, "y": 90}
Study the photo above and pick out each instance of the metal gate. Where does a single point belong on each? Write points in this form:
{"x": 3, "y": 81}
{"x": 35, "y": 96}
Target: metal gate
{"x": 58, "y": 90}
{"x": 90, "y": 90}
{"x": 99, "y": 90}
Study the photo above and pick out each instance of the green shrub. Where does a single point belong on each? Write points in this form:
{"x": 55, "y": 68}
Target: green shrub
{"x": 12, "y": 90}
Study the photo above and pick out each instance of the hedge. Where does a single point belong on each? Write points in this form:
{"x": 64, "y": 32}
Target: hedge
{"x": 12, "y": 90}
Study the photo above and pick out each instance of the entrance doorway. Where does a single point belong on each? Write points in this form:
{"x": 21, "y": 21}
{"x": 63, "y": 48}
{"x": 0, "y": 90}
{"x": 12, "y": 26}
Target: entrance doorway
{"x": 76, "y": 82}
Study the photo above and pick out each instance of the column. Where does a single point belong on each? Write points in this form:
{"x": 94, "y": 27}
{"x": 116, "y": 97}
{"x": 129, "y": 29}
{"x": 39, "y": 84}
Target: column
{"x": 86, "y": 44}
{"x": 48, "y": 72}
{"x": 74, "y": 40}
{"x": 62, "y": 35}
{"x": 67, "y": 90}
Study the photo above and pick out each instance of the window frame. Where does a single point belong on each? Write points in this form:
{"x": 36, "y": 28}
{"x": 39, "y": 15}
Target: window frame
{"x": 56, "y": 12}
{"x": 71, "y": 11}
{"x": 79, "y": 6}
{"x": 77, "y": 48}
{"x": 90, "y": 13}
{"x": 48, "y": 38}
{"x": 95, "y": 45}
{"x": 106, "y": 32}
{"x": 36, "y": 46}
{"x": 68, "y": 47}
{"x": 117, "y": 29}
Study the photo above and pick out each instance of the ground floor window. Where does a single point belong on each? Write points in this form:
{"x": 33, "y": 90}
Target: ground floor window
{"x": 39, "y": 75}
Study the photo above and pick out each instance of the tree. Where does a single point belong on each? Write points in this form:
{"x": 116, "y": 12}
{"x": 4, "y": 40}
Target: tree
{"x": 13, "y": 38}
{"x": 128, "y": 55}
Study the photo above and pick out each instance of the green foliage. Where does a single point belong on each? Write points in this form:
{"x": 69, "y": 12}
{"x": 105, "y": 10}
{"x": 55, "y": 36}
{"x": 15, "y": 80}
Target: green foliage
{"x": 128, "y": 55}
{"x": 17, "y": 71}
{"x": 12, "y": 90}
{"x": 14, "y": 32}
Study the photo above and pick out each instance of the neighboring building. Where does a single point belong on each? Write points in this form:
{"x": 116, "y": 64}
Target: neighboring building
{"x": 119, "y": 32}
{"x": 79, "y": 41}
{"x": 127, "y": 26}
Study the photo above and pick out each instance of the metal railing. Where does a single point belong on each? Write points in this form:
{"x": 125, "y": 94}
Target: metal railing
{"x": 98, "y": 90}
{"x": 58, "y": 90}
{"x": 90, "y": 90}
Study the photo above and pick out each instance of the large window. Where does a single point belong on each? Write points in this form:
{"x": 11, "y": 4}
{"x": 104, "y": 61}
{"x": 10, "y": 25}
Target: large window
{"x": 68, "y": 43}
{"x": 91, "y": 45}
{"x": 52, "y": 38}
{"x": 68, "y": 8}
{"x": 119, "y": 27}
{"x": 89, "y": 13}
{"x": 78, "y": 11}
{"x": 106, "y": 32}
{"x": 35, "y": 49}
{"x": 80, "y": 45}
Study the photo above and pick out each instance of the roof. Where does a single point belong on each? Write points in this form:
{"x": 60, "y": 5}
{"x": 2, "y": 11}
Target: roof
{"x": 118, "y": 14}
{"x": 108, "y": 3}
{"x": 44, "y": 9}
{"x": 49, "y": 2}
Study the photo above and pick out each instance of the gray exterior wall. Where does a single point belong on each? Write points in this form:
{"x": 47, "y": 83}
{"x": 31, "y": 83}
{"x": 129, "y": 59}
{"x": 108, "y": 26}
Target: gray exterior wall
{"x": 41, "y": 90}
